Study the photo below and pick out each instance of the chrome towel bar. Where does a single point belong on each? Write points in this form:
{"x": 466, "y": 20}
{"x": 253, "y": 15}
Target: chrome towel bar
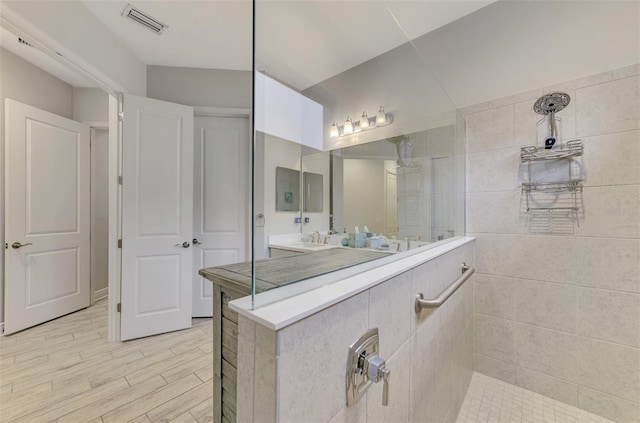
{"x": 421, "y": 303}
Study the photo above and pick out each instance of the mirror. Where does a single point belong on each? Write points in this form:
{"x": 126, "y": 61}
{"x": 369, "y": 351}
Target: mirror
{"x": 402, "y": 187}
{"x": 287, "y": 189}
{"x": 312, "y": 192}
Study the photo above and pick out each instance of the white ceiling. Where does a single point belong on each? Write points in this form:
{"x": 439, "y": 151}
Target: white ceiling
{"x": 300, "y": 42}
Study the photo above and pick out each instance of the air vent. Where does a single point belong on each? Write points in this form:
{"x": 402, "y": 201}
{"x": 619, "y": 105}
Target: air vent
{"x": 143, "y": 19}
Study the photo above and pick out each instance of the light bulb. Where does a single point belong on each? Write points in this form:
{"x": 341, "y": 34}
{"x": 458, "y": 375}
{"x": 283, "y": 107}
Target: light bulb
{"x": 381, "y": 116}
{"x": 348, "y": 126}
{"x": 334, "y": 132}
{"x": 364, "y": 121}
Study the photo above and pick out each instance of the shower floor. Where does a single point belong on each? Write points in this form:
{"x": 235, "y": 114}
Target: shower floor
{"x": 491, "y": 400}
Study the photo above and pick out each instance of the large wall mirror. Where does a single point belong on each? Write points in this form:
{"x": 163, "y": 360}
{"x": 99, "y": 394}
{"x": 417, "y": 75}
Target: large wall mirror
{"x": 378, "y": 143}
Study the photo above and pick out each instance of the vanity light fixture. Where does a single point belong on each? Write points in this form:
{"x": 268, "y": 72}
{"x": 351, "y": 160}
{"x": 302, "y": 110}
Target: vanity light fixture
{"x": 334, "y": 131}
{"x": 364, "y": 120}
{"x": 348, "y": 126}
{"x": 364, "y": 124}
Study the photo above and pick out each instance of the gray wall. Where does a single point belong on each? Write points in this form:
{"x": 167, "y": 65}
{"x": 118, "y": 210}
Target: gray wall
{"x": 200, "y": 87}
{"x": 558, "y": 313}
{"x": 23, "y": 82}
{"x": 90, "y": 105}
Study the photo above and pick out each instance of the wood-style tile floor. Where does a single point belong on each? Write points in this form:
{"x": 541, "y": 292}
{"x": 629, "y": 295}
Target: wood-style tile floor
{"x": 66, "y": 371}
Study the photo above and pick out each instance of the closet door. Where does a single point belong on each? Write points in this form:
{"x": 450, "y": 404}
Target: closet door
{"x": 221, "y": 200}
{"x": 157, "y": 217}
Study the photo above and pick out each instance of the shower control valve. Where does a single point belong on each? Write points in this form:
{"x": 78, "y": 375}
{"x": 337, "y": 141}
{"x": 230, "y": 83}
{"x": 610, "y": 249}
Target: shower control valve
{"x": 376, "y": 371}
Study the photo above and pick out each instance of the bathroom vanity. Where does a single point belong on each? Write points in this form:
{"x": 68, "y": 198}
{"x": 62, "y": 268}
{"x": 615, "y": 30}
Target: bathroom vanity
{"x": 233, "y": 281}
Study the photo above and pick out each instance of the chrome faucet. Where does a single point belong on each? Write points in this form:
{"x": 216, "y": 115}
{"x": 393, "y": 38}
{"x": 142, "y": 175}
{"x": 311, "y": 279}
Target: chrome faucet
{"x": 315, "y": 237}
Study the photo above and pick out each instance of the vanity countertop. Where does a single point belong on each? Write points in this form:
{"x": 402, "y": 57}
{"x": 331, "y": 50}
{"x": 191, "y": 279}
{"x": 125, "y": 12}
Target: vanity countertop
{"x": 276, "y": 272}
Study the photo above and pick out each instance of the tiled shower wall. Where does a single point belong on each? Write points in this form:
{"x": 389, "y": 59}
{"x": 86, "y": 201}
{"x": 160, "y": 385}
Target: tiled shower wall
{"x": 559, "y": 314}
{"x": 298, "y": 373}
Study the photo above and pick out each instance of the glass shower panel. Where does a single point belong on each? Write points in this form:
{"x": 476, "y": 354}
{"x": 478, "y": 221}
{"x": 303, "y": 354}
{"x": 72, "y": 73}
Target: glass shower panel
{"x": 343, "y": 93}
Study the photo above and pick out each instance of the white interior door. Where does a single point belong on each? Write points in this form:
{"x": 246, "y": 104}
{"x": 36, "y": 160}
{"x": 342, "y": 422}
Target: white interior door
{"x": 221, "y": 199}
{"x": 157, "y": 217}
{"x": 47, "y": 212}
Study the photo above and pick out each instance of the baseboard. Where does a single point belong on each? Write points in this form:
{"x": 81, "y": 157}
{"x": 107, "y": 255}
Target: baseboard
{"x": 100, "y": 294}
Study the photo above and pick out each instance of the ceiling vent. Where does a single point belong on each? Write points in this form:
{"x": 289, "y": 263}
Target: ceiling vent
{"x": 144, "y": 19}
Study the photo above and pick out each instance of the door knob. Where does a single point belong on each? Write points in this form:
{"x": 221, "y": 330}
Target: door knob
{"x": 184, "y": 245}
{"x": 17, "y": 245}
{"x": 195, "y": 241}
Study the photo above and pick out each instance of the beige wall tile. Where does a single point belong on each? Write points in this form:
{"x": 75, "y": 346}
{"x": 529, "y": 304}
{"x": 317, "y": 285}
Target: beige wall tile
{"x": 527, "y": 96}
{"x": 321, "y": 339}
{"x": 494, "y": 338}
{"x": 594, "y": 258}
{"x": 490, "y": 130}
{"x": 525, "y": 126}
{"x": 424, "y": 279}
{"x": 539, "y": 257}
{"x": 575, "y": 84}
{"x": 609, "y": 368}
{"x": 609, "y": 315}
{"x": 627, "y": 71}
{"x": 494, "y": 170}
{"x": 496, "y": 212}
{"x": 422, "y": 401}
{"x": 545, "y": 304}
{"x": 612, "y": 211}
{"x": 494, "y": 368}
{"x": 548, "y": 386}
{"x": 612, "y": 159}
{"x": 398, "y": 408}
{"x": 609, "y": 107}
{"x": 391, "y": 310}
{"x": 354, "y": 414}
{"x": 547, "y": 351}
{"x": 611, "y": 407}
{"x": 495, "y": 296}
{"x": 265, "y": 403}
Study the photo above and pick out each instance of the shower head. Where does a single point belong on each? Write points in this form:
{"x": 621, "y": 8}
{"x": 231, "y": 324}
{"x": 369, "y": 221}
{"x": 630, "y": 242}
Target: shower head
{"x": 551, "y": 103}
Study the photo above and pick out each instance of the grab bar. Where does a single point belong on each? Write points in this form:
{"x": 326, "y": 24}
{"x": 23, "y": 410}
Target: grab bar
{"x": 421, "y": 303}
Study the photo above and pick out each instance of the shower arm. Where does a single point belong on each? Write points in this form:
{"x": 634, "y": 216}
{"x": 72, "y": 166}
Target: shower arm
{"x": 552, "y": 124}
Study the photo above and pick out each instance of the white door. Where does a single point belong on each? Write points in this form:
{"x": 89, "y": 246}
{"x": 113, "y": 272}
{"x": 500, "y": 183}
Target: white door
{"x": 221, "y": 200}
{"x": 47, "y": 212}
{"x": 157, "y": 217}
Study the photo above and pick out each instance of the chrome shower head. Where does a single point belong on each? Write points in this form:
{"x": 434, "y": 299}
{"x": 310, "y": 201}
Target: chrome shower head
{"x": 551, "y": 103}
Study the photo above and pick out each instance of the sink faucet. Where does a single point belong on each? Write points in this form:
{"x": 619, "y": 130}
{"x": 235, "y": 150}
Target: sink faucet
{"x": 315, "y": 237}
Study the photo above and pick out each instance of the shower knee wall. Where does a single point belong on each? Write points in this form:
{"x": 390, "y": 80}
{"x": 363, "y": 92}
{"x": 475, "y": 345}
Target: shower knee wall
{"x": 559, "y": 314}
{"x": 298, "y": 373}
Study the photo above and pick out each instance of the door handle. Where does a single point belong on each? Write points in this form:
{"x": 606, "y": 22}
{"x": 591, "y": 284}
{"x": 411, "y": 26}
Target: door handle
{"x": 184, "y": 245}
{"x": 17, "y": 245}
{"x": 196, "y": 242}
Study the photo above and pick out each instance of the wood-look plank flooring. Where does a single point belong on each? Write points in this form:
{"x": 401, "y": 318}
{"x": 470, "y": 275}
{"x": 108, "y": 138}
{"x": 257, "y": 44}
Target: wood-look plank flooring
{"x": 66, "y": 371}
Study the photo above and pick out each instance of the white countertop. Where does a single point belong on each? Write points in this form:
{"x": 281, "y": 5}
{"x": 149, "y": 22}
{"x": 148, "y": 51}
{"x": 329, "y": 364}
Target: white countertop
{"x": 286, "y": 305}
